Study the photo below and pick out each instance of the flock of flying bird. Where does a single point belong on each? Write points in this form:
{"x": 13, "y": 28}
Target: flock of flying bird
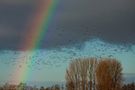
{"x": 57, "y": 57}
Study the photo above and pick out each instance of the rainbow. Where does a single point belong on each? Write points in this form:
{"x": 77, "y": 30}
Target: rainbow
{"x": 35, "y": 34}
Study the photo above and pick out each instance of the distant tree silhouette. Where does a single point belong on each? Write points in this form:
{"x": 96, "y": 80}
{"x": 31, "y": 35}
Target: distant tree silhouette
{"x": 1, "y": 88}
{"x": 54, "y": 87}
{"x": 130, "y": 86}
{"x": 22, "y": 86}
{"x": 109, "y": 74}
{"x": 6, "y": 86}
{"x": 42, "y": 88}
{"x": 48, "y": 88}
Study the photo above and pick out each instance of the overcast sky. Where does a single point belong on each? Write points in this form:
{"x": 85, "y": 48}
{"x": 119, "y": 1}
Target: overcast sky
{"x": 74, "y": 21}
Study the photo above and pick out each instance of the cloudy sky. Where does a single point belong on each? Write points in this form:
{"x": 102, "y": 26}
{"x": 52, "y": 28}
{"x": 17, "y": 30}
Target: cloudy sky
{"x": 79, "y": 28}
{"x": 111, "y": 20}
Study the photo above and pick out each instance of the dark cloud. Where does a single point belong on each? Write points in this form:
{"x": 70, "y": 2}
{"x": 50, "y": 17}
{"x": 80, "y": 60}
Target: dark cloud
{"x": 13, "y": 21}
{"x": 75, "y": 21}
{"x": 18, "y": 1}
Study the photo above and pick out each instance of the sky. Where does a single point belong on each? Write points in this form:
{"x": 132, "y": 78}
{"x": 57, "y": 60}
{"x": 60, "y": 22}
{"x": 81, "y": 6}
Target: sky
{"x": 91, "y": 28}
{"x": 110, "y": 20}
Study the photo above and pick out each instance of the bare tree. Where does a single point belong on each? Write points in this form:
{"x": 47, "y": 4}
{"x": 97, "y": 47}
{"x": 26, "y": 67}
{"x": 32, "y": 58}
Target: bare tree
{"x": 91, "y": 73}
{"x": 72, "y": 75}
{"x": 109, "y": 74}
{"x": 80, "y": 74}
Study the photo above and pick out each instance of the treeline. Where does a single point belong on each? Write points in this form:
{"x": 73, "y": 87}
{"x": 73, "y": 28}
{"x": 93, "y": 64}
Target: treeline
{"x": 130, "y": 86}
{"x": 24, "y": 86}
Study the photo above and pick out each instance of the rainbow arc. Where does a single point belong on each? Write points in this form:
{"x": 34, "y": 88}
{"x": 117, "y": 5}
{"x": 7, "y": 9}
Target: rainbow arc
{"x": 35, "y": 34}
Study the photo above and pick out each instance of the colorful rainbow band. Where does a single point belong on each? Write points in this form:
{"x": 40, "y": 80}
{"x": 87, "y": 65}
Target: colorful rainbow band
{"x": 35, "y": 34}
